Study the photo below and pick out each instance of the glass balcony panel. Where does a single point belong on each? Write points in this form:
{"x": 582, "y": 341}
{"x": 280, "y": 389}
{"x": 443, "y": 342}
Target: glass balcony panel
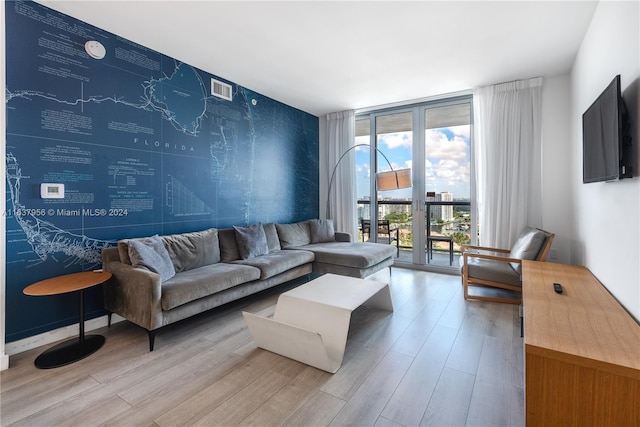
{"x": 436, "y": 253}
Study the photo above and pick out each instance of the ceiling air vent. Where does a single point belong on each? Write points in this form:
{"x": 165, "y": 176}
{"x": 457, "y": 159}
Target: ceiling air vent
{"x": 221, "y": 90}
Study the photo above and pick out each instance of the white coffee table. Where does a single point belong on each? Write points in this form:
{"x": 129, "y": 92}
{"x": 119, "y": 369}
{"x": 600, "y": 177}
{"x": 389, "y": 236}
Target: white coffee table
{"x": 311, "y": 322}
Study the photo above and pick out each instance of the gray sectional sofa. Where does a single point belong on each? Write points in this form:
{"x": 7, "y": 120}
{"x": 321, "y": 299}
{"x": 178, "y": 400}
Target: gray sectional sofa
{"x": 160, "y": 280}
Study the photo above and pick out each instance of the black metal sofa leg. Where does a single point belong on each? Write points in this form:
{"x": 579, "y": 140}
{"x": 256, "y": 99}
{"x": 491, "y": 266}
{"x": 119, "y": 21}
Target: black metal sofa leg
{"x": 109, "y": 314}
{"x": 152, "y": 338}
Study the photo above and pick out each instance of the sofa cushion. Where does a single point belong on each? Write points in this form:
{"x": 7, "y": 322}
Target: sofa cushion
{"x": 150, "y": 253}
{"x": 322, "y": 231}
{"x": 356, "y": 254}
{"x": 495, "y": 271}
{"x": 272, "y": 237}
{"x": 228, "y": 245}
{"x": 527, "y": 246}
{"x": 278, "y": 262}
{"x": 193, "y": 250}
{"x": 200, "y": 282}
{"x": 296, "y": 234}
{"x": 252, "y": 241}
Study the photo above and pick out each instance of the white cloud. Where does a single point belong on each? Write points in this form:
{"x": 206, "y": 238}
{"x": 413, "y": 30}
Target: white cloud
{"x": 463, "y": 131}
{"x": 447, "y": 164}
{"x": 464, "y": 172}
{"x": 396, "y": 140}
{"x": 451, "y": 171}
{"x": 445, "y": 173}
{"x": 440, "y": 147}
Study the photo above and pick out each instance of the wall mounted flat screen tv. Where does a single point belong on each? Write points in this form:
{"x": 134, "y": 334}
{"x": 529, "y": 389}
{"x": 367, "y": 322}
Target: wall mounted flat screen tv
{"x": 605, "y": 137}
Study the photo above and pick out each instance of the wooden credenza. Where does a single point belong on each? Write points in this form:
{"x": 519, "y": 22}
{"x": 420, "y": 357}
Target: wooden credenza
{"x": 582, "y": 351}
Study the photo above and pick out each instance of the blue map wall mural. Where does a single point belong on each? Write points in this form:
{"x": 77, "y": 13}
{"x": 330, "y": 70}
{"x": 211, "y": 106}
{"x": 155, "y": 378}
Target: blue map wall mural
{"x": 142, "y": 147}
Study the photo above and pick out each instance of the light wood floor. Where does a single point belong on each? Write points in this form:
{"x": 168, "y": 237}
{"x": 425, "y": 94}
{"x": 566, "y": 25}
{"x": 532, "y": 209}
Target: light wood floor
{"x": 436, "y": 360}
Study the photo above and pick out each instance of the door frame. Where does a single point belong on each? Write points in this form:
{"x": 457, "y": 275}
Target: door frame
{"x": 418, "y": 206}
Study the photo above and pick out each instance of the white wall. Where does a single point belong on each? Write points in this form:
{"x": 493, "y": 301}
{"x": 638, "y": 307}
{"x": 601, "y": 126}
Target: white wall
{"x": 607, "y": 215}
{"x": 557, "y": 196}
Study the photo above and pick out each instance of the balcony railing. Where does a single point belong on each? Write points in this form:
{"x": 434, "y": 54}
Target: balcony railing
{"x": 445, "y": 219}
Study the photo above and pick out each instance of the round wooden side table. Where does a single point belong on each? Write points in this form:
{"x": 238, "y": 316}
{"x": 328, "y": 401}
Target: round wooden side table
{"x": 76, "y": 348}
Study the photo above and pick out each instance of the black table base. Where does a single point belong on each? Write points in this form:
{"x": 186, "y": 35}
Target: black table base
{"x": 69, "y": 351}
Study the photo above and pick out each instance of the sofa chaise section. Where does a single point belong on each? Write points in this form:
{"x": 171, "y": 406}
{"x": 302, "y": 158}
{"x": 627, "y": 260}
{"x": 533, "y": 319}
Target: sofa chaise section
{"x": 334, "y": 252}
{"x": 353, "y": 259}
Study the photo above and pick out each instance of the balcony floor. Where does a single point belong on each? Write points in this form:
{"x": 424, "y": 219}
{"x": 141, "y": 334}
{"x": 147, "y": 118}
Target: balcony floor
{"x": 439, "y": 259}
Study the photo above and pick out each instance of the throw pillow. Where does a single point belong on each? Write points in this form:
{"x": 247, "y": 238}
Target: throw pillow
{"x": 296, "y": 234}
{"x": 192, "y": 250}
{"x": 322, "y": 231}
{"x": 228, "y": 245}
{"x": 252, "y": 241}
{"x": 150, "y": 253}
{"x": 526, "y": 246}
{"x": 272, "y": 237}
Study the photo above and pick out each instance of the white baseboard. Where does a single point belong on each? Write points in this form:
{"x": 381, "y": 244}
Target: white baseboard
{"x": 4, "y": 362}
{"x": 35, "y": 341}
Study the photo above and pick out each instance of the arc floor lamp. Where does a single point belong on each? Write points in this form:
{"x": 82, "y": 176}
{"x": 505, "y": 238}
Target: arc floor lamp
{"x": 385, "y": 181}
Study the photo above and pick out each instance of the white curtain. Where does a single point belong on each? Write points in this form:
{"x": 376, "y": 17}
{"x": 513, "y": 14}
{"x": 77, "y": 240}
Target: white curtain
{"x": 342, "y": 194}
{"x": 508, "y": 152}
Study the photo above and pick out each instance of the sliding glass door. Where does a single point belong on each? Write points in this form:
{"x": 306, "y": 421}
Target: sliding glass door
{"x": 391, "y": 148}
{"x": 428, "y": 222}
{"x": 447, "y": 192}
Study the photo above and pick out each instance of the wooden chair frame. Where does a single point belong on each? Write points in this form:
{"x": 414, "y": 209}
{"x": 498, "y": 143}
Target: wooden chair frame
{"x": 482, "y": 254}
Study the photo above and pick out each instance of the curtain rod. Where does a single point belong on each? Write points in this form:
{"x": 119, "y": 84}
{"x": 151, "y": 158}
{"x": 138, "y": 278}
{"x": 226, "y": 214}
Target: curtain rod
{"x": 414, "y": 101}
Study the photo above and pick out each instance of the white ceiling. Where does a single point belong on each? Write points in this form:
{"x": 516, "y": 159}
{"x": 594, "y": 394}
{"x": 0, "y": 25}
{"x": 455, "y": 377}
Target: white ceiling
{"x": 331, "y": 56}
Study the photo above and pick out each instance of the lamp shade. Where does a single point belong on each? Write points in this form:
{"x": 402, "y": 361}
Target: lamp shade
{"x": 393, "y": 180}
{"x": 386, "y": 181}
{"x": 404, "y": 178}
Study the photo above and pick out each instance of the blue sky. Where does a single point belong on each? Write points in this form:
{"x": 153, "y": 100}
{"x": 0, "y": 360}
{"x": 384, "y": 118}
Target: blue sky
{"x": 447, "y": 164}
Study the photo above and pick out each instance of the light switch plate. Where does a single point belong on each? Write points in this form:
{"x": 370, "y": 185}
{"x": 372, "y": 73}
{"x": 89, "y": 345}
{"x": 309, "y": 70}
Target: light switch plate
{"x": 52, "y": 191}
